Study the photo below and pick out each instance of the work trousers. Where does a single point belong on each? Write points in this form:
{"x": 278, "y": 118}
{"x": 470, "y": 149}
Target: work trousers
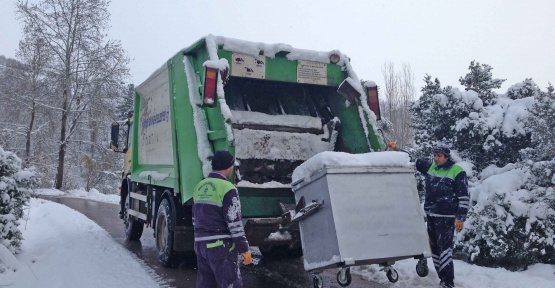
{"x": 441, "y": 231}
{"x": 217, "y": 264}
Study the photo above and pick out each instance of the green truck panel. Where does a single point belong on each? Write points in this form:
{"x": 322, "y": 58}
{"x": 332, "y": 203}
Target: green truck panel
{"x": 280, "y": 72}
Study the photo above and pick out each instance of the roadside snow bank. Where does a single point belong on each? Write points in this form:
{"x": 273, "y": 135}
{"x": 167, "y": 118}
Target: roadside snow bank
{"x": 78, "y": 193}
{"x": 466, "y": 276}
{"x": 8, "y": 259}
{"x": 63, "y": 248}
{"x": 378, "y": 159}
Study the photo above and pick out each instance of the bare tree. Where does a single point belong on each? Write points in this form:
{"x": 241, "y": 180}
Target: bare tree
{"x": 12, "y": 131}
{"x": 399, "y": 94}
{"x": 33, "y": 53}
{"x": 85, "y": 62}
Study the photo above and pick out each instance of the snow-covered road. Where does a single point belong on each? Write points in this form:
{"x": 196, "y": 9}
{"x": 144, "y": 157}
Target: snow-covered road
{"x": 63, "y": 248}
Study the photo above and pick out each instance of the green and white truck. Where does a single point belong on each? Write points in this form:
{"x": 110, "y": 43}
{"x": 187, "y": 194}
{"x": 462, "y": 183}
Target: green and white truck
{"x": 271, "y": 105}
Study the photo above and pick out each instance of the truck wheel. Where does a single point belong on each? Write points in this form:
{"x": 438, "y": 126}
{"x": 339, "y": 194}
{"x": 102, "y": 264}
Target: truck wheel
{"x": 133, "y": 228}
{"x": 164, "y": 236}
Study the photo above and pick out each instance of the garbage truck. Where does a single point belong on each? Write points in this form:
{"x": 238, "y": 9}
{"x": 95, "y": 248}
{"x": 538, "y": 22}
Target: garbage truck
{"x": 272, "y": 106}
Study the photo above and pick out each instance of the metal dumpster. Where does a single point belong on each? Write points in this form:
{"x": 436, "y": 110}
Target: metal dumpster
{"x": 368, "y": 215}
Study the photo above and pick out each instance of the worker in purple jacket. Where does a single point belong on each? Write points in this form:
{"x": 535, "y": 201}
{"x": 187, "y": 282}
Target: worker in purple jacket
{"x": 219, "y": 232}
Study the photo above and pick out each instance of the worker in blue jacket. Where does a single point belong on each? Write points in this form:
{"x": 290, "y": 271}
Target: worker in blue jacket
{"x": 219, "y": 233}
{"x": 446, "y": 205}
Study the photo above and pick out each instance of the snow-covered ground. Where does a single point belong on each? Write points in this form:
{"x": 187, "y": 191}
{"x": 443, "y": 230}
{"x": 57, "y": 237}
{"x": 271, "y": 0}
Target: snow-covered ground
{"x": 92, "y": 195}
{"x": 466, "y": 276}
{"x": 63, "y": 248}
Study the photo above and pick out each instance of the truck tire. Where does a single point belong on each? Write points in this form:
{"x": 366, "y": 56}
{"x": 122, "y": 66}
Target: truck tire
{"x": 164, "y": 236}
{"x": 133, "y": 228}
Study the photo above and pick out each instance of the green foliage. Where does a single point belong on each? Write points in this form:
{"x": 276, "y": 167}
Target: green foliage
{"x": 480, "y": 79}
{"x": 15, "y": 191}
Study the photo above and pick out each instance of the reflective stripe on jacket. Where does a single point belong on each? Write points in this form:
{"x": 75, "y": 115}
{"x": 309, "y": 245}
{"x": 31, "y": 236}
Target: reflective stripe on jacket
{"x": 446, "y": 189}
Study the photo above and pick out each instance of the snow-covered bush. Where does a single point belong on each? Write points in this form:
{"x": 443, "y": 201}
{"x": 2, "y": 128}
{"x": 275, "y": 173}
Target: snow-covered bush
{"x": 15, "y": 190}
{"x": 485, "y": 133}
{"x": 511, "y": 222}
{"x": 541, "y": 123}
{"x": 512, "y": 219}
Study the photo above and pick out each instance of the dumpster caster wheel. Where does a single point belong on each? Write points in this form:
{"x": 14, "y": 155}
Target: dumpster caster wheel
{"x": 422, "y": 268}
{"x": 318, "y": 281}
{"x": 344, "y": 277}
{"x": 392, "y": 275}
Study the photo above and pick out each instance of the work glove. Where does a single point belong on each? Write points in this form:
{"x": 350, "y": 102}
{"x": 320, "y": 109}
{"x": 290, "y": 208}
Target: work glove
{"x": 247, "y": 258}
{"x": 393, "y": 146}
{"x": 459, "y": 224}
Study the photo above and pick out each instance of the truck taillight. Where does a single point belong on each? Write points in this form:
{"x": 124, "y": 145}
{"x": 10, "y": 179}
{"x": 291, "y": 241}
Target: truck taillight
{"x": 373, "y": 101}
{"x": 210, "y": 83}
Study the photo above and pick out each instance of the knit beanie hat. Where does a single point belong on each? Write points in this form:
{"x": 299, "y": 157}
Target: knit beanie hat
{"x": 443, "y": 149}
{"x": 222, "y": 160}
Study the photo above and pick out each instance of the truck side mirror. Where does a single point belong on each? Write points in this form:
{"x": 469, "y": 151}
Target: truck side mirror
{"x": 115, "y": 136}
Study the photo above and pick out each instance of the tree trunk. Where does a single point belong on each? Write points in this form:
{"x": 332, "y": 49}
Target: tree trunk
{"x": 92, "y": 168}
{"x": 28, "y": 140}
{"x": 63, "y": 144}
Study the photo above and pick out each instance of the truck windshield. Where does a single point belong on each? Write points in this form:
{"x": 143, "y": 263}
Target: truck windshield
{"x": 276, "y": 98}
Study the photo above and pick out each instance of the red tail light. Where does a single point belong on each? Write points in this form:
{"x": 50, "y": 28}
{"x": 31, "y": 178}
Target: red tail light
{"x": 373, "y": 101}
{"x": 210, "y": 83}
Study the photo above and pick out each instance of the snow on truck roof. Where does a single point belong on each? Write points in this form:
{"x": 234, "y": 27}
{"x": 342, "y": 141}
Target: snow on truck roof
{"x": 373, "y": 159}
{"x": 268, "y": 50}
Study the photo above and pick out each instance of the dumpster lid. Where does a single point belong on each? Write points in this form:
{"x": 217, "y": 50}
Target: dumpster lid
{"x": 353, "y": 169}
{"x": 337, "y": 159}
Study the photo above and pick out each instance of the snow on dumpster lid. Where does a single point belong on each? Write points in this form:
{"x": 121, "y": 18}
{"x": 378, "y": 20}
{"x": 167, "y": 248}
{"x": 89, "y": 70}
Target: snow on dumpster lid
{"x": 381, "y": 159}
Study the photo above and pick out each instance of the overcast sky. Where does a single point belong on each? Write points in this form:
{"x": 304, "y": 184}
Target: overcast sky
{"x": 517, "y": 38}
